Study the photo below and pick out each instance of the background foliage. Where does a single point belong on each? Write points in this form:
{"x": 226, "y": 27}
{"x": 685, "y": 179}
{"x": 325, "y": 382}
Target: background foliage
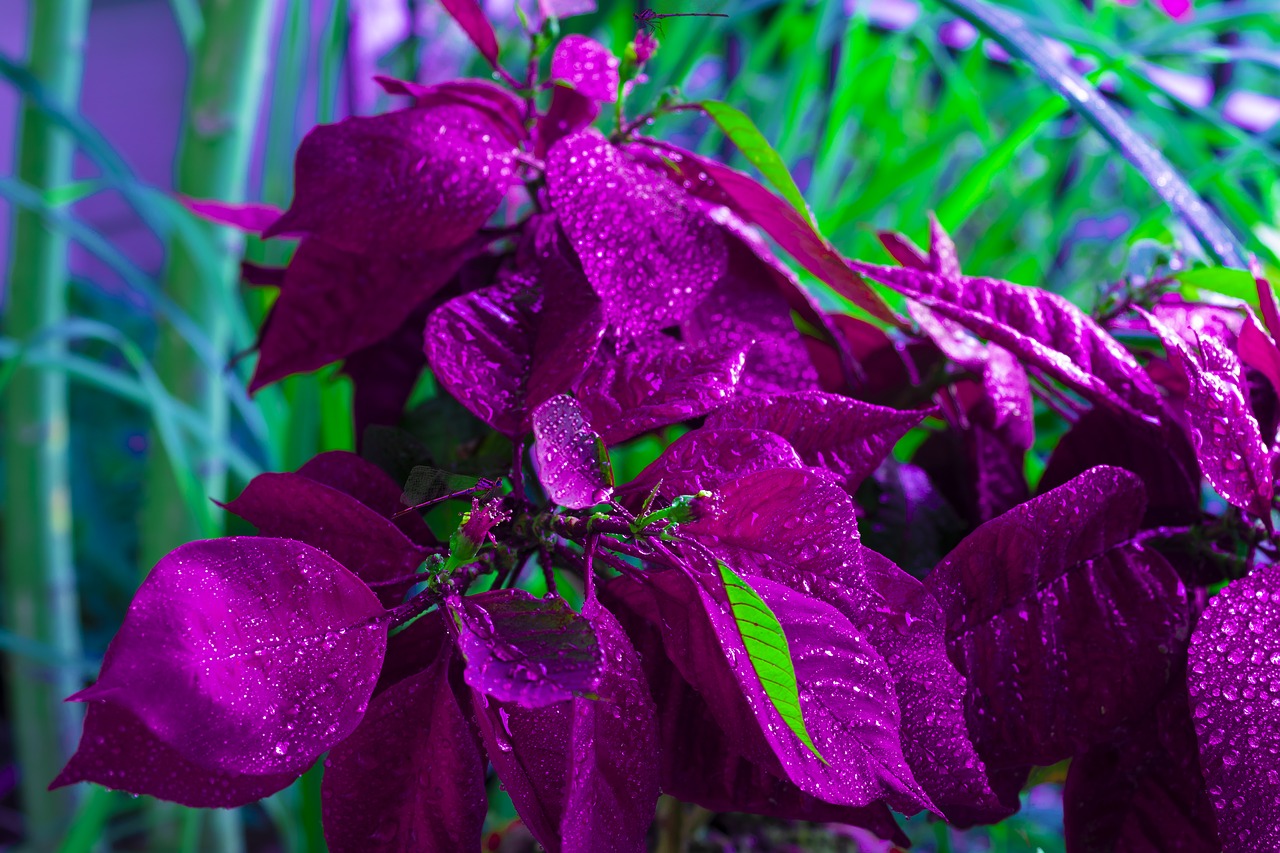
{"x": 883, "y": 110}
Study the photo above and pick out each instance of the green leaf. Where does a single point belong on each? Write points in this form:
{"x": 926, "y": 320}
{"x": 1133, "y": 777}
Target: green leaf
{"x": 766, "y": 646}
{"x": 751, "y": 142}
{"x": 1238, "y": 284}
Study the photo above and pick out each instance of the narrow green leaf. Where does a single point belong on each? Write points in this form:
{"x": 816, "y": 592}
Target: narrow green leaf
{"x": 766, "y": 646}
{"x": 1237, "y": 284}
{"x": 1009, "y": 30}
{"x": 190, "y": 22}
{"x": 751, "y": 142}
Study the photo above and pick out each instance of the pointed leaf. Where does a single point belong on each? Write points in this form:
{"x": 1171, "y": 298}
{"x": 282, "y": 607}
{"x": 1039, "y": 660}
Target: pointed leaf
{"x": 251, "y": 218}
{"x": 245, "y": 654}
{"x": 736, "y": 125}
{"x": 532, "y": 652}
{"x": 569, "y": 457}
{"x": 470, "y": 16}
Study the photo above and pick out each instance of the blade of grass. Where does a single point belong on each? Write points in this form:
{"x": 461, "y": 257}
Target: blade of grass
{"x": 1007, "y": 29}
{"x": 39, "y": 583}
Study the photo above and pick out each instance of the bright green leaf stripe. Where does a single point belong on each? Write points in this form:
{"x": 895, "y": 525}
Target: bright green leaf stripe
{"x": 751, "y": 142}
{"x": 770, "y": 656}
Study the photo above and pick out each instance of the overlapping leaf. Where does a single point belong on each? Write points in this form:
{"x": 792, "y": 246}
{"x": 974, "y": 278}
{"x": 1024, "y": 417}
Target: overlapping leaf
{"x": 587, "y": 66}
{"x": 570, "y": 458}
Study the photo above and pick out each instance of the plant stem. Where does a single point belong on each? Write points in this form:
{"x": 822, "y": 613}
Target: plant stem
{"x": 223, "y": 100}
{"x": 39, "y": 581}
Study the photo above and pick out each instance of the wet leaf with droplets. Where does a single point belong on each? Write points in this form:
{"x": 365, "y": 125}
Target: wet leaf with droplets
{"x": 569, "y": 457}
{"x": 1064, "y": 628}
{"x": 587, "y": 66}
{"x": 631, "y": 388}
{"x": 582, "y": 773}
{"x": 246, "y": 654}
{"x": 1234, "y": 681}
{"x": 410, "y": 778}
{"x": 529, "y": 651}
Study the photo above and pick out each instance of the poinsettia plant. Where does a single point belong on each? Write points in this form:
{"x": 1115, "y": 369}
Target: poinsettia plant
{"x": 781, "y": 614}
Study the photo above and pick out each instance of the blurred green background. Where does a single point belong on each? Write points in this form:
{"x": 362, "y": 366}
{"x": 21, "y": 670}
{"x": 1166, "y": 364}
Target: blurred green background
{"x": 122, "y": 311}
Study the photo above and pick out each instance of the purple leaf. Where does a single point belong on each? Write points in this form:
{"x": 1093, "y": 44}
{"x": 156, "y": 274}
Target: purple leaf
{"x": 569, "y": 457}
{"x": 569, "y": 112}
{"x": 751, "y": 304}
{"x": 413, "y": 648}
{"x": 1064, "y": 628}
{"x": 440, "y": 173}
{"x": 335, "y": 303}
{"x": 1233, "y": 678}
{"x": 499, "y": 104}
{"x": 383, "y": 375}
{"x": 786, "y": 225}
{"x": 906, "y": 518}
{"x": 370, "y": 485}
{"x": 649, "y": 254}
{"x": 846, "y": 694}
{"x": 583, "y": 773}
{"x": 119, "y": 752}
{"x": 632, "y": 388}
{"x": 793, "y": 528}
{"x": 566, "y": 8}
{"x": 1161, "y": 456}
{"x": 529, "y": 651}
{"x": 1144, "y": 791}
{"x": 251, "y": 218}
{"x": 1259, "y": 351}
{"x": 503, "y": 350}
{"x": 410, "y": 778}
{"x": 470, "y": 16}
{"x": 707, "y": 458}
{"x": 1040, "y": 328}
{"x": 587, "y": 66}
{"x": 246, "y": 655}
{"x": 293, "y": 506}
{"x": 1224, "y": 431}
{"x": 843, "y": 435}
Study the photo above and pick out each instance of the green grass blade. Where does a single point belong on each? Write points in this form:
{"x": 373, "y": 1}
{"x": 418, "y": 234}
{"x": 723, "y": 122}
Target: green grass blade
{"x": 751, "y": 142}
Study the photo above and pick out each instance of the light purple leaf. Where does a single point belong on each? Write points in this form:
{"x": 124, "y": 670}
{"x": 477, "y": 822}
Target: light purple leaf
{"x": 440, "y": 173}
{"x": 1224, "y": 431}
{"x": 293, "y": 506}
{"x": 649, "y": 254}
{"x": 410, "y": 778}
{"x": 119, "y": 752}
{"x": 706, "y": 458}
{"x": 846, "y": 692}
{"x": 1259, "y": 351}
{"x": 843, "y": 435}
{"x": 529, "y": 651}
{"x": 566, "y": 8}
{"x": 750, "y": 308}
{"x": 1040, "y": 328}
{"x": 781, "y": 221}
{"x": 470, "y": 16}
{"x": 587, "y": 66}
{"x": 1161, "y": 456}
{"x": 631, "y": 388}
{"x": 569, "y": 457}
{"x": 583, "y": 773}
{"x": 1233, "y": 678}
{"x": 1144, "y": 791}
{"x": 251, "y": 218}
{"x": 1065, "y": 629}
{"x": 793, "y": 528}
{"x": 334, "y": 303}
{"x": 246, "y": 655}
{"x": 499, "y": 104}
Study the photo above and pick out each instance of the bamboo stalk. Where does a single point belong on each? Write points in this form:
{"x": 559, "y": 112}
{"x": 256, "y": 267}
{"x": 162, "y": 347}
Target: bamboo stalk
{"x": 39, "y": 576}
{"x": 223, "y": 101}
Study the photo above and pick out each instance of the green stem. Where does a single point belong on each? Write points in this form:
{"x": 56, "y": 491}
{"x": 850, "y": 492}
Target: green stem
{"x": 223, "y": 100}
{"x": 39, "y": 579}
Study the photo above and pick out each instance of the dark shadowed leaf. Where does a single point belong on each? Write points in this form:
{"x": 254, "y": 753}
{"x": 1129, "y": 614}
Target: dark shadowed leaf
{"x": 246, "y": 654}
{"x": 118, "y": 751}
{"x": 1224, "y": 432}
{"x": 1233, "y": 678}
{"x": 648, "y": 253}
{"x": 293, "y": 506}
{"x": 587, "y": 66}
{"x": 384, "y": 374}
{"x": 631, "y": 388}
{"x": 583, "y": 773}
{"x": 441, "y": 173}
{"x": 570, "y": 458}
{"x": 410, "y": 778}
{"x": 367, "y": 483}
{"x": 906, "y": 518}
{"x": 1065, "y": 630}
{"x": 843, "y": 435}
{"x": 529, "y": 651}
